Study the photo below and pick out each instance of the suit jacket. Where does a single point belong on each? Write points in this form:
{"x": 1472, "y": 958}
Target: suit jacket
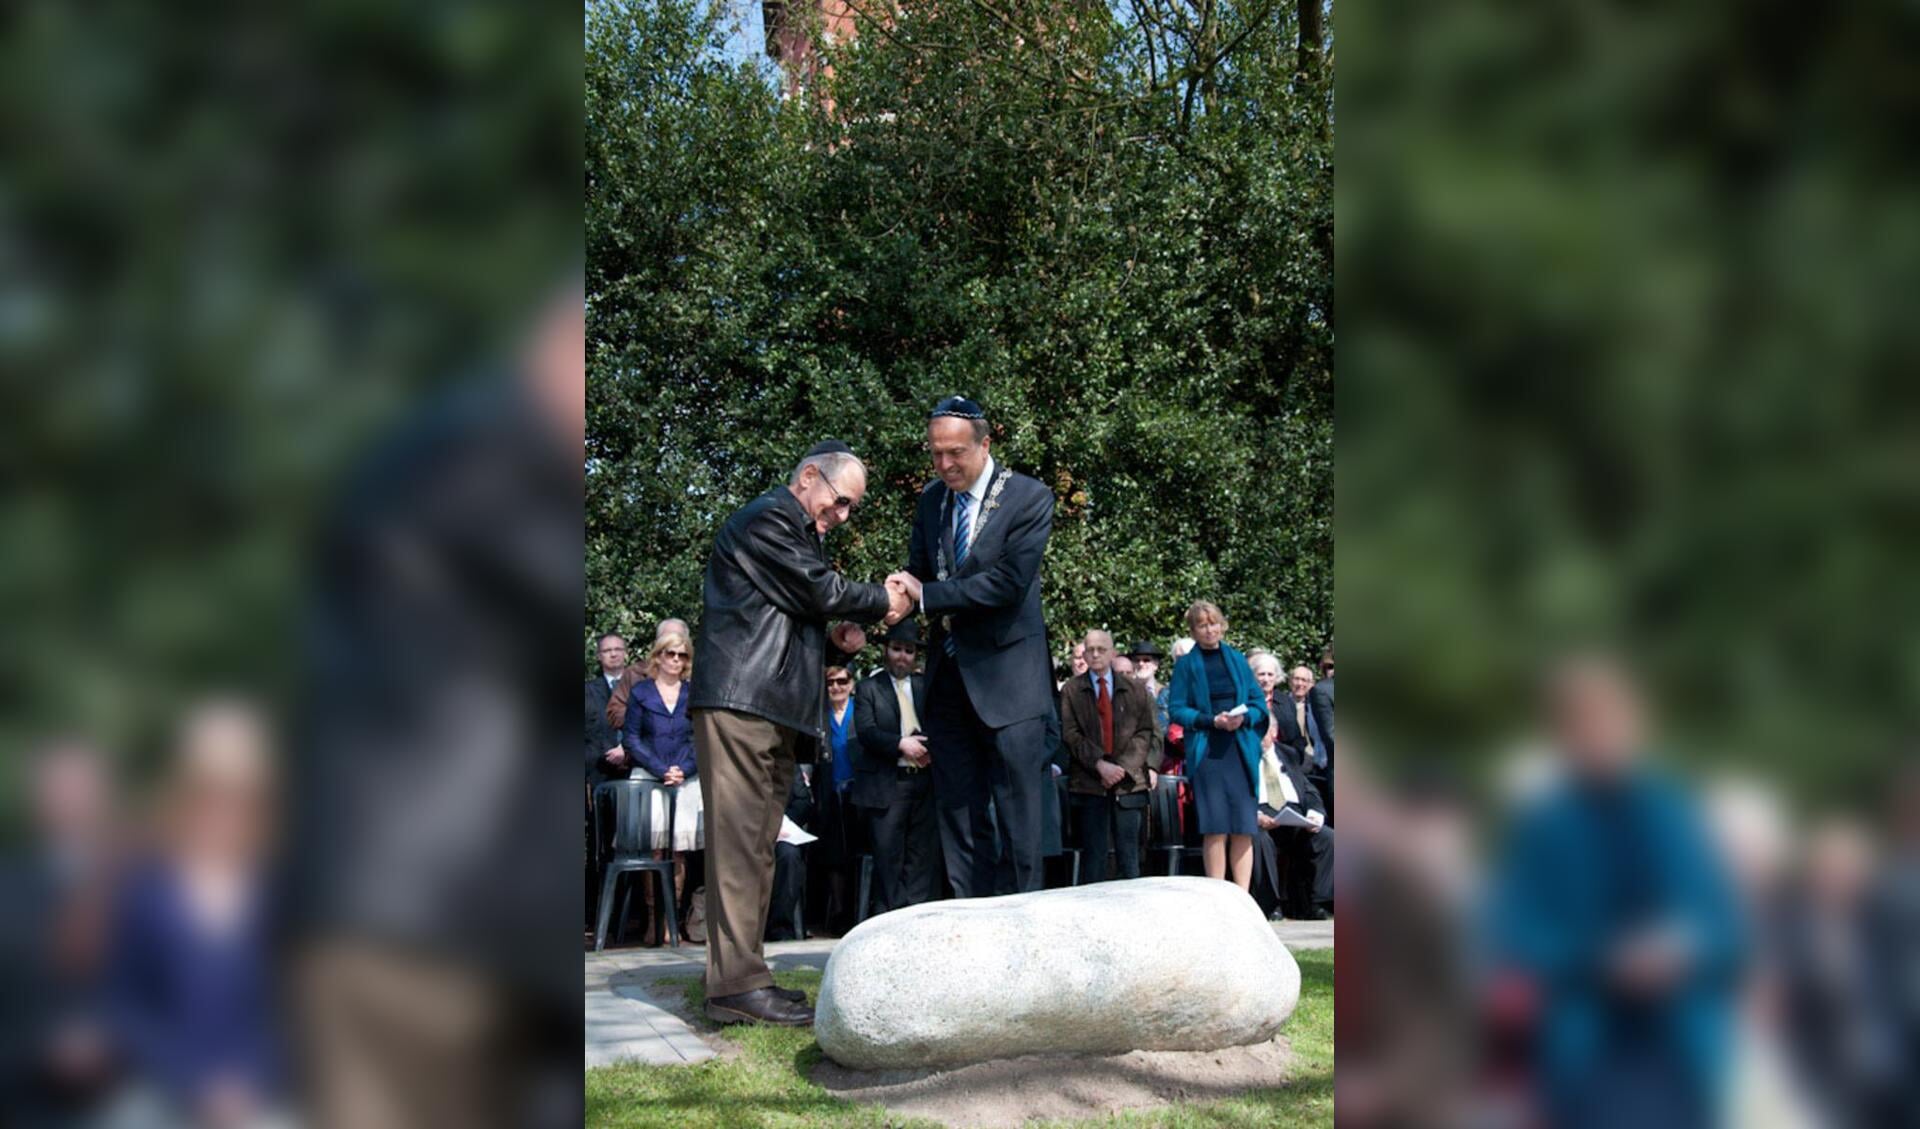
{"x": 1310, "y": 798}
{"x": 877, "y": 715}
{"x": 599, "y": 735}
{"x": 635, "y": 674}
{"x": 1286, "y": 729}
{"x": 1080, "y": 734}
{"x": 1320, "y": 705}
{"x": 991, "y": 602}
{"x": 799, "y": 799}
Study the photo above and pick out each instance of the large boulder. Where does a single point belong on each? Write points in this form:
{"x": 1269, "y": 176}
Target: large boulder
{"x": 1160, "y": 964}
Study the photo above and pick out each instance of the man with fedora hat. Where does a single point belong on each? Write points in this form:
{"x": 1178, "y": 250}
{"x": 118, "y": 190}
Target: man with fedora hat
{"x": 892, "y": 782}
{"x": 1146, "y": 667}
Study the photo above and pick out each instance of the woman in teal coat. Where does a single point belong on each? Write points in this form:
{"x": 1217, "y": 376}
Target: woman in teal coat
{"x": 1214, "y": 698}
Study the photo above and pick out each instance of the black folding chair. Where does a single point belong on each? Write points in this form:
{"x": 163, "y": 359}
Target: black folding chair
{"x": 1163, "y": 834}
{"x": 633, "y": 852}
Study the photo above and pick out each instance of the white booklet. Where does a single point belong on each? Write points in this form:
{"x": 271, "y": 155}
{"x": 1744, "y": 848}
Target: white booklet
{"x": 791, "y": 832}
{"x": 1291, "y": 817}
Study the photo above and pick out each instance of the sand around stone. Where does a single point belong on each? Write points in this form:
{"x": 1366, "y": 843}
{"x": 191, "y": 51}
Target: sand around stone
{"x": 1009, "y": 1092}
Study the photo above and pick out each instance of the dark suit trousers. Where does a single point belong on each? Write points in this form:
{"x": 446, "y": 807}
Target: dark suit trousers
{"x": 789, "y": 882}
{"x": 1322, "y": 779}
{"x": 1102, "y": 824}
{"x": 906, "y": 844}
{"x": 974, "y": 763}
{"x": 1293, "y": 869}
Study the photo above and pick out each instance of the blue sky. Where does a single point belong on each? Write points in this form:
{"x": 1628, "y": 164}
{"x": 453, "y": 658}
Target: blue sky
{"x": 747, "y": 39}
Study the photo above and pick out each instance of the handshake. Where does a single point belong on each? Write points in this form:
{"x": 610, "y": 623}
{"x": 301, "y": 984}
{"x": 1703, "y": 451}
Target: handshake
{"x": 903, "y": 595}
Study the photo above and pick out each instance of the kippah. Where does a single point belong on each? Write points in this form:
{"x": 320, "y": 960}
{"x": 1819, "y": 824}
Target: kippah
{"x": 828, "y": 447}
{"x": 959, "y": 407}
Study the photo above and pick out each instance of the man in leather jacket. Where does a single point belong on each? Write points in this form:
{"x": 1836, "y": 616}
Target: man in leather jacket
{"x": 768, "y": 593}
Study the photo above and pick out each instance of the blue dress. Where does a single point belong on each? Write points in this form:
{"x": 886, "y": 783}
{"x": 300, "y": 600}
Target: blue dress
{"x": 1223, "y": 795}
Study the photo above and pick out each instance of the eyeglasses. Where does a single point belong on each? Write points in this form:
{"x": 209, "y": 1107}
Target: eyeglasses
{"x": 840, "y": 501}
{"x": 681, "y": 655}
{"x": 839, "y": 681}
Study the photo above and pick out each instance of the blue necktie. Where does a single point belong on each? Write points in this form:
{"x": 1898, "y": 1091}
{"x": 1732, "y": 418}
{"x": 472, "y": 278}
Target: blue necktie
{"x": 962, "y": 527}
{"x": 962, "y": 534}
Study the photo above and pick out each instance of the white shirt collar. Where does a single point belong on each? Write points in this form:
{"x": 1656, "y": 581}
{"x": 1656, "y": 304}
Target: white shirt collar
{"x": 979, "y": 488}
{"x": 612, "y": 679}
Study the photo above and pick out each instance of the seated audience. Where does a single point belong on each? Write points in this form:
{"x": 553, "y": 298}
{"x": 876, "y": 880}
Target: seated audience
{"x": 790, "y": 864}
{"x": 1293, "y": 856}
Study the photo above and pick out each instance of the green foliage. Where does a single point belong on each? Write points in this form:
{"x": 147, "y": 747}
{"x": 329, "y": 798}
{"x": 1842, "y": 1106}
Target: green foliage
{"x": 767, "y": 1083}
{"x": 1633, "y": 373}
{"x": 1132, "y": 270}
{"x": 237, "y": 243}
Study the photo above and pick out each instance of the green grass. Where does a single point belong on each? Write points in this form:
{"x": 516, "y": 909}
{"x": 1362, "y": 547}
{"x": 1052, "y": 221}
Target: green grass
{"x": 765, "y": 1086}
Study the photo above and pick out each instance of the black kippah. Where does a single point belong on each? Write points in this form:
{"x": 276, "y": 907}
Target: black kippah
{"x": 828, "y": 447}
{"x": 959, "y": 407}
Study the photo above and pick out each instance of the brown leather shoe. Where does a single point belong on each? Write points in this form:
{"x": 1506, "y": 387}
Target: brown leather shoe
{"x": 794, "y": 994}
{"x": 762, "y": 1005}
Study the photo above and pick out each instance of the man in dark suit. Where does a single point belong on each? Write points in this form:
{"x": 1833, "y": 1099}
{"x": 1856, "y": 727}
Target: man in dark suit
{"x": 790, "y": 863}
{"x": 974, "y": 569}
{"x": 605, "y": 759}
{"x": 604, "y": 756}
{"x": 1282, "y": 730}
{"x": 1106, "y": 724}
{"x": 891, "y": 782}
{"x": 1307, "y": 852}
{"x": 1320, "y": 709}
{"x": 57, "y": 1062}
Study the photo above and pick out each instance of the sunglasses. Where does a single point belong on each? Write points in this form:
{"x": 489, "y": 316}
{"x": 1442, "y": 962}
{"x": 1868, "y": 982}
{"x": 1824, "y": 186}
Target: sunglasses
{"x": 839, "y": 681}
{"x": 840, "y": 501}
{"x": 681, "y": 655}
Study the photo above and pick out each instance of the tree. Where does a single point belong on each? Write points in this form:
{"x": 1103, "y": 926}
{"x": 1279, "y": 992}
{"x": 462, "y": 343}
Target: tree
{"x": 1014, "y": 202}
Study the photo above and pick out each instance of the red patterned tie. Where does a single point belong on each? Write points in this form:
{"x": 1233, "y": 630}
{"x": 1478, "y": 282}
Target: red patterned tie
{"x": 1106, "y": 716}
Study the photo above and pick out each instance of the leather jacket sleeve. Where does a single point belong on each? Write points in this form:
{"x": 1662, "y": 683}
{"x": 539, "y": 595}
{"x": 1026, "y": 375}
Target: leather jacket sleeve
{"x": 795, "y": 577}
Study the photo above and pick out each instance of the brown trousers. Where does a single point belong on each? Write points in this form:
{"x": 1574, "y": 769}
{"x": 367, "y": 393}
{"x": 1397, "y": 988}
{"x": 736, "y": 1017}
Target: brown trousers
{"x": 394, "y": 1039}
{"x": 746, "y": 768}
